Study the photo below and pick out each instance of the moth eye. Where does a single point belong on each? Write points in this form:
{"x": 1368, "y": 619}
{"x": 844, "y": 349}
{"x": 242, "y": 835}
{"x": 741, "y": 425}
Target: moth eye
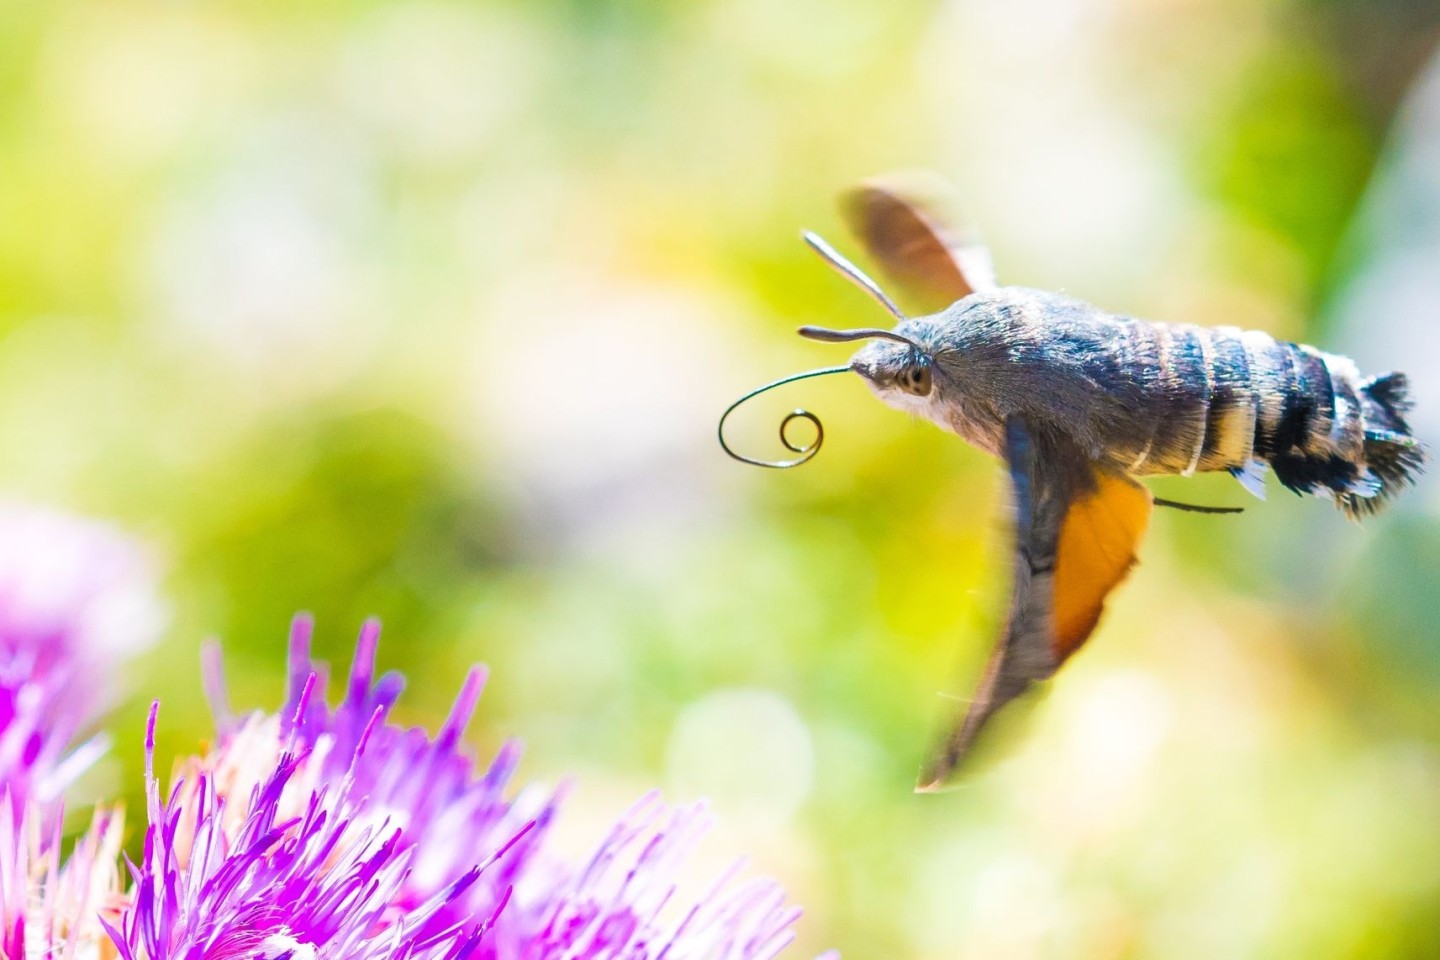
{"x": 916, "y": 380}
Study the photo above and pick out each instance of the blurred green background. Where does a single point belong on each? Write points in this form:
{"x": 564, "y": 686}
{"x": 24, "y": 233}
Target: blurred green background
{"x": 427, "y": 310}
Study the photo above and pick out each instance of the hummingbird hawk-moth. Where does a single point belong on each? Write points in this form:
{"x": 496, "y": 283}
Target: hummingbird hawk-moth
{"x": 1079, "y": 404}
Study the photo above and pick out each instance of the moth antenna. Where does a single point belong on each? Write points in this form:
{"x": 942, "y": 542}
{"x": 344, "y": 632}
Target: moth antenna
{"x": 806, "y": 451}
{"x": 864, "y": 333}
{"x": 852, "y": 272}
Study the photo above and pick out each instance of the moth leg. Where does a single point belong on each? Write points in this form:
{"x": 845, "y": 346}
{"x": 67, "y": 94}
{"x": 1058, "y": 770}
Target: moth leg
{"x": 1195, "y": 507}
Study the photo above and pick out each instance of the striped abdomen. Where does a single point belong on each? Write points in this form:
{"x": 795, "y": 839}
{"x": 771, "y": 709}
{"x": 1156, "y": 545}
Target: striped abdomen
{"x": 1226, "y": 399}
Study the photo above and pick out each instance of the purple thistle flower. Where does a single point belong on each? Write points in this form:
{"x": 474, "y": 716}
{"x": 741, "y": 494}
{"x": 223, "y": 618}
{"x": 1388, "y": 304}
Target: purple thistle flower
{"x": 308, "y": 870}
{"x": 333, "y": 833}
{"x": 613, "y": 905}
{"x": 52, "y": 908}
{"x": 451, "y": 817}
{"x": 440, "y": 845}
{"x": 76, "y": 596}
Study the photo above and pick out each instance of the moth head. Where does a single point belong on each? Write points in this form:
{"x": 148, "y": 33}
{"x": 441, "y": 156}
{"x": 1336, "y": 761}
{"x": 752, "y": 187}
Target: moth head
{"x": 892, "y": 363}
{"x": 896, "y": 364}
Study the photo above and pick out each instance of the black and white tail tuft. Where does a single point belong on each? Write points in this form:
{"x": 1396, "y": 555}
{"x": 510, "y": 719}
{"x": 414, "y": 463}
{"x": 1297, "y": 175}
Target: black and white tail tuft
{"x": 1391, "y": 453}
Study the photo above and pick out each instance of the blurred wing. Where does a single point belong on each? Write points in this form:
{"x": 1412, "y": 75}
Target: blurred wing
{"x": 1076, "y": 533}
{"x": 914, "y": 226}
